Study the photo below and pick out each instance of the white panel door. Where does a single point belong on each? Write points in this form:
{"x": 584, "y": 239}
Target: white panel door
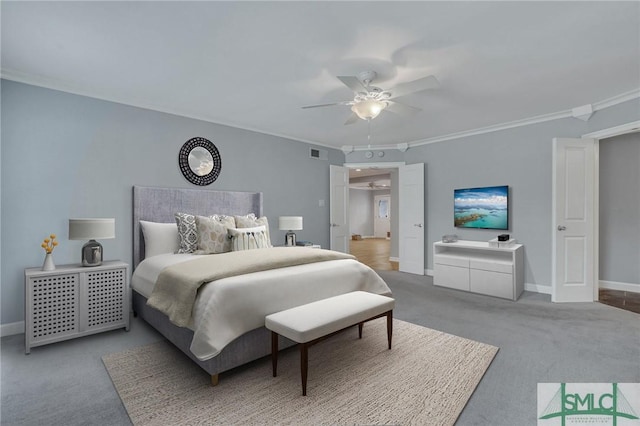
{"x": 573, "y": 270}
{"x": 381, "y": 216}
{"x": 411, "y": 218}
{"x": 339, "y": 208}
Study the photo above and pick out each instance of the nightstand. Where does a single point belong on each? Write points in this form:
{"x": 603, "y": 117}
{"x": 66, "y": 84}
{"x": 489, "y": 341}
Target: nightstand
{"x": 73, "y": 301}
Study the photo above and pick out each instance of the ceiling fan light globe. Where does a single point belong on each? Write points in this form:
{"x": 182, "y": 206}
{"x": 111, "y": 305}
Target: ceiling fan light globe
{"x": 368, "y": 109}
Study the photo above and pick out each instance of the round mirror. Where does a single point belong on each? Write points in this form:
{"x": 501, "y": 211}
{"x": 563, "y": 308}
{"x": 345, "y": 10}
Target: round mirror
{"x": 199, "y": 161}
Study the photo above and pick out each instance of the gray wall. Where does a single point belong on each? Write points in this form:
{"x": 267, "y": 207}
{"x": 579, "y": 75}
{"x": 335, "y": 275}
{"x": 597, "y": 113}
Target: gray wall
{"x": 521, "y": 158}
{"x": 620, "y": 209}
{"x": 71, "y": 156}
{"x": 66, "y": 156}
{"x": 361, "y": 212}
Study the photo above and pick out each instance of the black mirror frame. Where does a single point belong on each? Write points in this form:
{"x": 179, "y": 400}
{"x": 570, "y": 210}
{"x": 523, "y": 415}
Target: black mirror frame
{"x": 183, "y": 161}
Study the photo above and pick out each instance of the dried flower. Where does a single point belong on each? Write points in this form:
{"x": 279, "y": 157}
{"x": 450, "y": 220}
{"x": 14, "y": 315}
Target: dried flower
{"x": 49, "y": 243}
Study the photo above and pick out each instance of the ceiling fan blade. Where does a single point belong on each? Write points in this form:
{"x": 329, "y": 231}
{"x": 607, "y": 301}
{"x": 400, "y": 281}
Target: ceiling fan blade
{"x": 352, "y": 119}
{"x": 353, "y": 83}
{"x": 414, "y": 86}
{"x": 402, "y": 109}
{"x": 326, "y": 105}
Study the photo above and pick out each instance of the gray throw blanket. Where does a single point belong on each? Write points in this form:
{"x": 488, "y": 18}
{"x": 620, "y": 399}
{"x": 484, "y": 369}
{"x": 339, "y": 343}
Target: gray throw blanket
{"x": 177, "y": 286}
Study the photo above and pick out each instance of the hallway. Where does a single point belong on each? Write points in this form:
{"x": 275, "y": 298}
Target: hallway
{"x": 373, "y": 252}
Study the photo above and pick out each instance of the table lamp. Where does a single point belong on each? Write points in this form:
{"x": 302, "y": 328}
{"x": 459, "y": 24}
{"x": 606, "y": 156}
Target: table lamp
{"x": 290, "y": 224}
{"x": 92, "y": 229}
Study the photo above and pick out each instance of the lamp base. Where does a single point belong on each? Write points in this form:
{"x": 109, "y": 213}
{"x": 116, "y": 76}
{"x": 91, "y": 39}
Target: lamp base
{"x": 290, "y": 239}
{"x": 92, "y": 253}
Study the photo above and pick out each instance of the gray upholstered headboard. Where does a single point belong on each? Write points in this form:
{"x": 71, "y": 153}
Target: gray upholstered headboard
{"x": 161, "y": 204}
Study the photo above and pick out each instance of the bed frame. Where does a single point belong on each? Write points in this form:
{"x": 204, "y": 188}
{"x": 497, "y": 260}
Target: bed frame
{"x": 160, "y": 205}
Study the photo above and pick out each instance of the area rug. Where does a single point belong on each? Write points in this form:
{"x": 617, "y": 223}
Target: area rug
{"x": 426, "y": 378}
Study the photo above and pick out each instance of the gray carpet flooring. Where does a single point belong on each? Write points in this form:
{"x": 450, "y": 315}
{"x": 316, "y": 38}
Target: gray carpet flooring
{"x": 66, "y": 383}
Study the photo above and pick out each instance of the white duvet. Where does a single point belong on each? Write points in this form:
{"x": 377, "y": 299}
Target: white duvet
{"x": 233, "y": 306}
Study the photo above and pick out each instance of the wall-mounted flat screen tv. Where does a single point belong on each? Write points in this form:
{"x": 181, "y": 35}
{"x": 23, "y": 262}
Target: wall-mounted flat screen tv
{"x": 484, "y": 208}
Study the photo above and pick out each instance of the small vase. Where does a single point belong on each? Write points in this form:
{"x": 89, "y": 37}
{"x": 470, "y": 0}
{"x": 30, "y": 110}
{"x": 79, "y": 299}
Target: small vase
{"x": 48, "y": 263}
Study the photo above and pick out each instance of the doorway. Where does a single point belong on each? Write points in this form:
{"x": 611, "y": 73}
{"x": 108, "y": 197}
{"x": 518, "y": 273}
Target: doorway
{"x": 371, "y": 212}
{"x": 409, "y": 221}
{"x": 600, "y": 137}
{"x": 593, "y": 208}
{"x": 619, "y": 222}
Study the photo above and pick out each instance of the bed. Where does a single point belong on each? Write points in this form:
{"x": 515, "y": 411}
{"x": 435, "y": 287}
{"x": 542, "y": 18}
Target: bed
{"x": 216, "y": 342}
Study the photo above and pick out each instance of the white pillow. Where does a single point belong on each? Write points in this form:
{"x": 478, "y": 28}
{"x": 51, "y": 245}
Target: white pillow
{"x": 159, "y": 238}
{"x": 250, "y": 221}
{"x": 248, "y": 238}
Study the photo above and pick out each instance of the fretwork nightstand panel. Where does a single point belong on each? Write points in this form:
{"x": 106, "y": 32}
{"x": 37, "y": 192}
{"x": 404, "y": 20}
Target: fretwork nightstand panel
{"x": 73, "y": 301}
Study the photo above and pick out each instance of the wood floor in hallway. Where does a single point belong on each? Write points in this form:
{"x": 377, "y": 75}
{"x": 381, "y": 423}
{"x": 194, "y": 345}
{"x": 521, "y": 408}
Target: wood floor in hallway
{"x": 373, "y": 252}
{"x": 626, "y": 300}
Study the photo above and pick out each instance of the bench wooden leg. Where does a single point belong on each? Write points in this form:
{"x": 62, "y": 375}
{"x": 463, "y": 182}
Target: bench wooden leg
{"x": 389, "y": 327}
{"x": 214, "y": 380}
{"x": 304, "y": 365}
{"x": 274, "y": 353}
{"x": 304, "y": 347}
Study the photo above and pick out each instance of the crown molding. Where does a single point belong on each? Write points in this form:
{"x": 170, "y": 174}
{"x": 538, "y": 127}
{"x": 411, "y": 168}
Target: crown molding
{"x": 380, "y": 165}
{"x": 134, "y": 102}
{"x": 618, "y": 99}
{"x": 494, "y": 128}
{"x": 614, "y": 131}
{"x": 52, "y": 84}
{"x": 615, "y": 100}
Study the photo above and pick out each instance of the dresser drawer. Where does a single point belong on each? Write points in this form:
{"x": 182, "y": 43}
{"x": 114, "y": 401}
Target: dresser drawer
{"x": 491, "y": 283}
{"x": 491, "y": 266}
{"x": 451, "y": 276}
{"x": 443, "y": 259}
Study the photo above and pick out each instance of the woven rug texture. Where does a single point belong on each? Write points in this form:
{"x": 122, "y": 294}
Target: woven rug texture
{"x": 425, "y": 379}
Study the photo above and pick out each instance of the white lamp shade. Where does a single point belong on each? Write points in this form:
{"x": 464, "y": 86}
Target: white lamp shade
{"x": 290, "y": 223}
{"x": 368, "y": 109}
{"x": 92, "y": 229}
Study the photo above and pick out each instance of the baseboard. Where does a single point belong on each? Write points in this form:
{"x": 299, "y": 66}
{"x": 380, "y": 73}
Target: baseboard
{"x": 394, "y": 259}
{"x": 537, "y": 288}
{"x": 12, "y": 328}
{"x": 428, "y": 272}
{"x": 613, "y": 285}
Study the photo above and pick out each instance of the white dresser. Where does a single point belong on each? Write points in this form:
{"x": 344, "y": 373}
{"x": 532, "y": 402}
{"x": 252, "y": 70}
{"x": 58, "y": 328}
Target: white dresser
{"x": 476, "y": 267}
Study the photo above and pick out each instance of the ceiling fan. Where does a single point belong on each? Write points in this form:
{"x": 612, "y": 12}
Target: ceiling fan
{"x": 378, "y": 184}
{"x": 369, "y": 101}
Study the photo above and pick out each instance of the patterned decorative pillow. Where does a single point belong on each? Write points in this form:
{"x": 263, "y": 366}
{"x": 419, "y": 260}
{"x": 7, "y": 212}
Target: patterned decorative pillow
{"x": 248, "y": 238}
{"x": 250, "y": 221}
{"x": 188, "y": 232}
{"x": 212, "y": 234}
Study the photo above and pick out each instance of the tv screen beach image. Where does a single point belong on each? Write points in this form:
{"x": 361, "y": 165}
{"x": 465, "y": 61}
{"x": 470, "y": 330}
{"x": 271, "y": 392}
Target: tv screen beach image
{"x": 485, "y": 208}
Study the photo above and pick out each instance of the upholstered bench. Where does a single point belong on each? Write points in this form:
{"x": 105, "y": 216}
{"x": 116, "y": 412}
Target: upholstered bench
{"x": 308, "y": 324}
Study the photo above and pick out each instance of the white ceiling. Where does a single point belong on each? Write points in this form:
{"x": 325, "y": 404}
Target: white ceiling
{"x": 255, "y": 64}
